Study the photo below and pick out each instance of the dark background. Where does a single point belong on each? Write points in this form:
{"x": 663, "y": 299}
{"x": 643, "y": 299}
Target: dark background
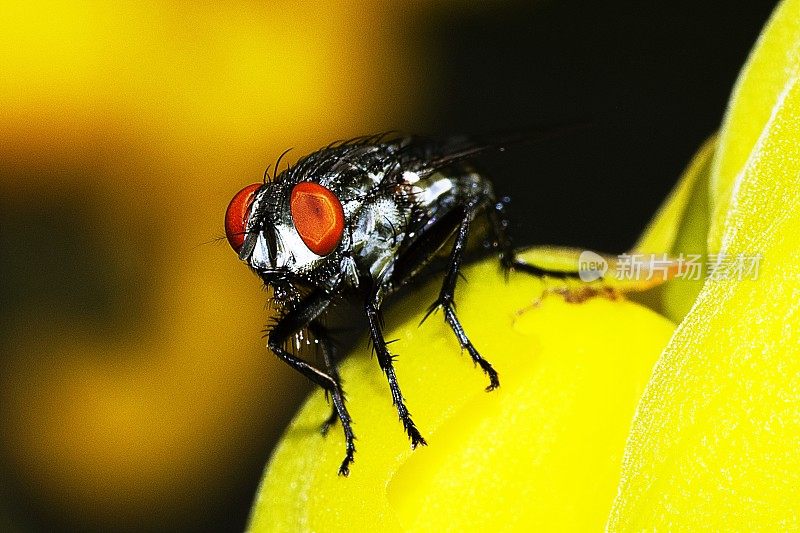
{"x": 651, "y": 78}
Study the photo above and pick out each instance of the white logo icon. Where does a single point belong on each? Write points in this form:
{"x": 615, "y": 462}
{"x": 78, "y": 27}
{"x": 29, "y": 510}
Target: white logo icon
{"x": 591, "y": 266}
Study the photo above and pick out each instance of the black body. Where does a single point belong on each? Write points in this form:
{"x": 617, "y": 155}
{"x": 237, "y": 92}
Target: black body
{"x": 403, "y": 200}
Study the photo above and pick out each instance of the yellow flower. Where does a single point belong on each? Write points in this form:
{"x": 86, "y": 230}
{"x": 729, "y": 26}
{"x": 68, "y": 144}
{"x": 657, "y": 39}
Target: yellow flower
{"x": 715, "y": 440}
{"x": 543, "y": 449}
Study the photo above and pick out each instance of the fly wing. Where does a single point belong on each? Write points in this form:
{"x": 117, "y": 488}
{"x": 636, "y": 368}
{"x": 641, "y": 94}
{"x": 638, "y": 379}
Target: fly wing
{"x": 419, "y": 251}
{"x": 425, "y": 156}
{"x": 439, "y": 207}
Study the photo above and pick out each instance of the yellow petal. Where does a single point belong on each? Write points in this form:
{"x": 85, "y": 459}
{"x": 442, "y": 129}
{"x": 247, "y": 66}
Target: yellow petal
{"x": 543, "y": 451}
{"x": 773, "y": 63}
{"x": 663, "y": 233}
{"x": 715, "y": 442}
{"x": 680, "y": 229}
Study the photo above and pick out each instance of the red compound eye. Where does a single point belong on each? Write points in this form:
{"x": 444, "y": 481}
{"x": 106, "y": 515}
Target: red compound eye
{"x": 237, "y": 214}
{"x": 318, "y": 217}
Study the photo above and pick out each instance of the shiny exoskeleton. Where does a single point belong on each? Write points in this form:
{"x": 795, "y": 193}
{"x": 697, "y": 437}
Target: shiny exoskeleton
{"x": 363, "y": 218}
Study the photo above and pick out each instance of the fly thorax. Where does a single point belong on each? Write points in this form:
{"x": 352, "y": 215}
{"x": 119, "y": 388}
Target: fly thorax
{"x": 378, "y": 232}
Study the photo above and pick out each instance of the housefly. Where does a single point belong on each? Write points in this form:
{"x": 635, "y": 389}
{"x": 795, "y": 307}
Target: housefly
{"x": 363, "y": 218}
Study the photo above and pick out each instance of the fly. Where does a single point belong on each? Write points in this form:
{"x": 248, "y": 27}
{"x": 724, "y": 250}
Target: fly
{"x": 363, "y": 218}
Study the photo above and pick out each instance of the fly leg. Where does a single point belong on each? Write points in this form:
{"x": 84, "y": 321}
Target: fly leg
{"x": 385, "y": 360}
{"x": 446, "y": 294}
{"x": 508, "y": 256}
{"x": 288, "y": 325}
{"x": 566, "y": 283}
{"x": 321, "y": 335}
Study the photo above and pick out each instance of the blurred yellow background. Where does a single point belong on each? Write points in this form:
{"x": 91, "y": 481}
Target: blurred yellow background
{"x": 136, "y": 392}
{"x": 134, "y": 379}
